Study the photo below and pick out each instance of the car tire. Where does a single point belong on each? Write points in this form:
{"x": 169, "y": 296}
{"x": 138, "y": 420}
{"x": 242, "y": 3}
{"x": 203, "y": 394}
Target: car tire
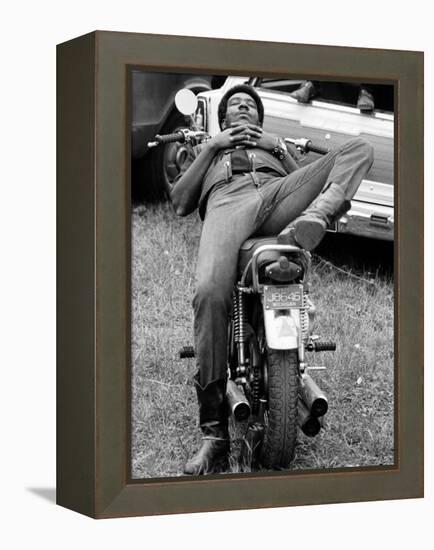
{"x": 162, "y": 163}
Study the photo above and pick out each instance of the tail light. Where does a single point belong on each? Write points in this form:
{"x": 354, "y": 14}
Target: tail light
{"x": 283, "y": 270}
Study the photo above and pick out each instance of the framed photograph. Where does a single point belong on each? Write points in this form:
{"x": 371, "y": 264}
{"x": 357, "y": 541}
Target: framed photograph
{"x": 240, "y": 274}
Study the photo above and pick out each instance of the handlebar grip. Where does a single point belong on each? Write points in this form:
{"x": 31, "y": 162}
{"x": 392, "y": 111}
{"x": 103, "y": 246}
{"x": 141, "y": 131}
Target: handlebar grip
{"x": 316, "y": 149}
{"x": 170, "y": 138}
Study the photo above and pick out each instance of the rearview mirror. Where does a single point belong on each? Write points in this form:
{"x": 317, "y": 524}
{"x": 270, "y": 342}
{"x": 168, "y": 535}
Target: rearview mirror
{"x": 186, "y": 101}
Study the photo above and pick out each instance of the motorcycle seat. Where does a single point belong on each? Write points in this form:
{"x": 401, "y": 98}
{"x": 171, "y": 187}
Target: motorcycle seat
{"x": 248, "y": 248}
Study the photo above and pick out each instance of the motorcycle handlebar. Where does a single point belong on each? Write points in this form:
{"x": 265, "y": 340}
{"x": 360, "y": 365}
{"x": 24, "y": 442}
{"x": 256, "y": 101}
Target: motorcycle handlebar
{"x": 182, "y": 136}
{"x": 306, "y": 146}
{"x": 316, "y": 149}
{"x": 170, "y": 138}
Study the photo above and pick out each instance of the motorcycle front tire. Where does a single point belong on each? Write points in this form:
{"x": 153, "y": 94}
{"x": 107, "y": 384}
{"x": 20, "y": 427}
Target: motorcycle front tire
{"x": 280, "y": 435}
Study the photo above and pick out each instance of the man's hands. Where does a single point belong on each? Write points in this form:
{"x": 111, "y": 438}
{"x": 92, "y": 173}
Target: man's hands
{"x": 241, "y": 134}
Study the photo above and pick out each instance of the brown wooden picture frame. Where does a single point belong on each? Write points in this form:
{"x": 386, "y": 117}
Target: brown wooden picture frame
{"x": 94, "y": 276}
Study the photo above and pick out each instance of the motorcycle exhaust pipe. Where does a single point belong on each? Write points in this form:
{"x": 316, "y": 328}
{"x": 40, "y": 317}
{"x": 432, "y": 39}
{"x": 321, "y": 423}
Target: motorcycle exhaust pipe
{"x": 310, "y": 425}
{"x": 237, "y": 401}
{"x": 313, "y": 397}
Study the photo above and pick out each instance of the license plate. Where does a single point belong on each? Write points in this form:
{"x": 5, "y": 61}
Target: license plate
{"x": 283, "y": 297}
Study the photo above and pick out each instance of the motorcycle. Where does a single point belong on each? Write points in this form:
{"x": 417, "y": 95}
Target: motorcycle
{"x": 269, "y": 385}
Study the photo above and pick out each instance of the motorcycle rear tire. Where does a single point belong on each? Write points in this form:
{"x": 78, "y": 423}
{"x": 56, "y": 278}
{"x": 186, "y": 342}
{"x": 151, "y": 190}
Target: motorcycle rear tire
{"x": 280, "y": 434}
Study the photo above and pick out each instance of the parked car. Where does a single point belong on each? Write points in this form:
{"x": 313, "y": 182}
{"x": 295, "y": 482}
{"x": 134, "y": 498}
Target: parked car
{"x": 153, "y": 111}
{"x": 328, "y": 121}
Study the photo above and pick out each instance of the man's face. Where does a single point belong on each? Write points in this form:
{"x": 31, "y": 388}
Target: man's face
{"x": 241, "y": 108}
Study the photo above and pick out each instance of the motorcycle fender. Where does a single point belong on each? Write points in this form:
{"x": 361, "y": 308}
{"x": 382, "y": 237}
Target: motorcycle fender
{"x": 281, "y": 330}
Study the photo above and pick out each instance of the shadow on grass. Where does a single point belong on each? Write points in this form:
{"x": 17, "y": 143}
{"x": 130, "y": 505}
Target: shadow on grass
{"x": 358, "y": 253}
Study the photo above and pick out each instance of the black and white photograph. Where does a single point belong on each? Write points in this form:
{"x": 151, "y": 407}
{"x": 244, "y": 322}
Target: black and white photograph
{"x": 262, "y": 274}
{"x": 217, "y": 232}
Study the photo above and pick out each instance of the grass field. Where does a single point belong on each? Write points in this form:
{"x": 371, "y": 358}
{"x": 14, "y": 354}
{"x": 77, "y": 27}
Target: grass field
{"x": 352, "y": 288}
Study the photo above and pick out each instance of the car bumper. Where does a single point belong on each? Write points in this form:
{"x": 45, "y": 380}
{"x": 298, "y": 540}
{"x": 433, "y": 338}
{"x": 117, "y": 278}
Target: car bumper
{"x": 366, "y": 221}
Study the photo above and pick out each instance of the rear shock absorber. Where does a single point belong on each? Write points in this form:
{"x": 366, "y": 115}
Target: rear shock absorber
{"x": 304, "y": 317}
{"x": 240, "y": 333}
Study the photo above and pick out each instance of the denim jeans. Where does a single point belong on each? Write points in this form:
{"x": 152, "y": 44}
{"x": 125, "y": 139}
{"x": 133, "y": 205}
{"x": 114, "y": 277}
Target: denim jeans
{"x": 256, "y": 205}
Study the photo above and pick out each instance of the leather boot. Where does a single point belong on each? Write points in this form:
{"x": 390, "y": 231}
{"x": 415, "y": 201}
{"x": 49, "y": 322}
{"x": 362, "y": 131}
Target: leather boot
{"x": 305, "y": 93}
{"x": 214, "y": 452}
{"x": 309, "y": 228}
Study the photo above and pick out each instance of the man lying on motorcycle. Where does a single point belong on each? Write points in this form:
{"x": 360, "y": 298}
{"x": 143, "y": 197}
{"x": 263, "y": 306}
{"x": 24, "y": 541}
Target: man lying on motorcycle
{"x": 244, "y": 182}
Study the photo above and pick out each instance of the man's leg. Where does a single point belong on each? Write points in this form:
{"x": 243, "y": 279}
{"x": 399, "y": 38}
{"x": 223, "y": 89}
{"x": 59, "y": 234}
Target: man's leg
{"x": 311, "y": 198}
{"x": 230, "y": 219}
